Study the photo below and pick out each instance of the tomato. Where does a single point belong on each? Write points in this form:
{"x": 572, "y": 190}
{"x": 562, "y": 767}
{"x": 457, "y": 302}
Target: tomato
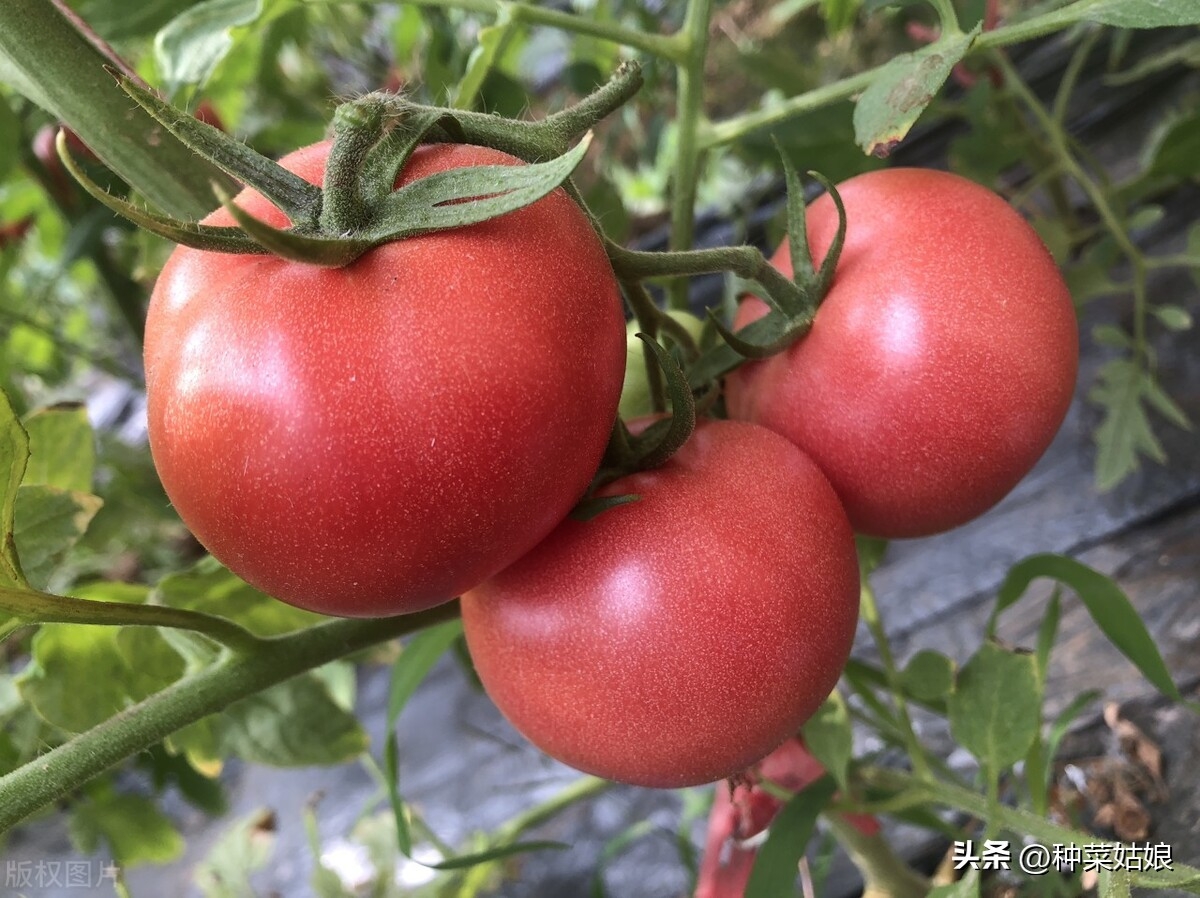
{"x": 376, "y": 439}
{"x": 940, "y": 364}
{"x": 678, "y": 639}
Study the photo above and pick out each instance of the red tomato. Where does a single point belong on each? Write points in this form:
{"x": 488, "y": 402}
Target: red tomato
{"x": 376, "y": 439}
{"x": 678, "y": 639}
{"x": 939, "y": 366}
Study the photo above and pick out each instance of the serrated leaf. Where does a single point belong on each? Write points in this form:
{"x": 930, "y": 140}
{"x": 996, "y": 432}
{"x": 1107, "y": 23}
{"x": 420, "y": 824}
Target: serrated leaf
{"x": 995, "y": 707}
{"x": 1105, "y": 601}
{"x": 62, "y": 448}
{"x": 829, "y": 738}
{"x": 1138, "y": 13}
{"x": 1125, "y": 432}
{"x": 14, "y": 455}
{"x": 134, "y": 829}
{"x": 81, "y": 676}
{"x": 188, "y": 50}
{"x": 928, "y": 676}
{"x": 778, "y": 860}
{"x": 902, "y": 89}
{"x": 49, "y": 521}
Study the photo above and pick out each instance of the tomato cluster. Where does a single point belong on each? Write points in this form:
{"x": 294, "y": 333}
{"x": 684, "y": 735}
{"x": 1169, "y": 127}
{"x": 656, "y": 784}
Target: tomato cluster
{"x": 380, "y": 438}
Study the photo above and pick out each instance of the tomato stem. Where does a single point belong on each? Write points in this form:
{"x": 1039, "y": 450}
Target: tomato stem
{"x": 36, "y": 607}
{"x": 235, "y": 676}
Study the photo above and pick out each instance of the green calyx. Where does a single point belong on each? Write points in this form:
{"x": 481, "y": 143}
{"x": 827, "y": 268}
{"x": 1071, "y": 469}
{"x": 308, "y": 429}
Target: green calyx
{"x": 357, "y": 209}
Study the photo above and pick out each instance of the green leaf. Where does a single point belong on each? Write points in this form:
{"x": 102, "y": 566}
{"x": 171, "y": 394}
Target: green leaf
{"x": 775, "y": 868}
{"x": 839, "y": 14}
{"x": 902, "y": 89}
{"x": 51, "y": 63}
{"x": 81, "y": 676}
{"x": 242, "y": 849}
{"x": 1125, "y": 432}
{"x": 967, "y": 887}
{"x": 1105, "y": 601}
{"x": 830, "y": 739}
{"x": 1138, "y": 13}
{"x": 1174, "y": 318}
{"x": 14, "y": 455}
{"x": 490, "y": 43}
{"x": 928, "y": 676}
{"x": 416, "y": 659}
{"x": 294, "y": 724}
{"x": 189, "y": 49}
{"x": 213, "y": 589}
{"x": 10, "y": 136}
{"x": 62, "y": 448}
{"x": 49, "y": 521}
{"x": 995, "y": 710}
{"x": 134, "y": 829}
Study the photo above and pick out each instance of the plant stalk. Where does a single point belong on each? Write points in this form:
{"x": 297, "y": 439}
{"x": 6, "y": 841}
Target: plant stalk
{"x": 64, "y": 769}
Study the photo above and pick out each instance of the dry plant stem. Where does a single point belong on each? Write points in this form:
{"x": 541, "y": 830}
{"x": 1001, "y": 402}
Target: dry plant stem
{"x": 62, "y": 770}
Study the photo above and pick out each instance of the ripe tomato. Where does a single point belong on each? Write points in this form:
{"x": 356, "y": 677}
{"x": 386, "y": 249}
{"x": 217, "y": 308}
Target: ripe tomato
{"x": 678, "y": 639}
{"x": 376, "y": 439}
{"x": 939, "y": 366}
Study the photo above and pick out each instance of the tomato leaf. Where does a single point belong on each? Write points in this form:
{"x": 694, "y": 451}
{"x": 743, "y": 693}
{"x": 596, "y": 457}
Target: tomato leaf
{"x": 80, "y": 676}
{"x": 1105, "y": 601}
{"x": 928, "y": 675}
{"x": 775, "y": 868}
{"x": 1137, "y": 13}
{"x": 49, "y": 521}
{"x": 133, "y": 827}
{"x": 240, "y": 850}
{"x": 211, "y": 588}
{"x": 902, "y": 89}
{"x": 829, "y": 738}
{"x": 490, "y": 44}
{"x": 189, "y": 48}
{"x": 416, "y": 659}
{"x": 995, "y": 707}
{"x": 1123, "y": 391}
{"x": 14, "y": 456}
{"x": 62, "y": 451}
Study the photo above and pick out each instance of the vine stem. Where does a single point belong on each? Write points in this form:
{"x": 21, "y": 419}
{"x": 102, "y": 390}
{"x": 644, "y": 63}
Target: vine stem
{"x": 1059, "y": 143}
{"x": 1002, "y": 817}
{"x": 35, "y": 607}
{"x": 884, "y": 873}
{"x": 234, "y": 676}
{"x": 874, "y": 622}
{"x": 689, "y": 112}
{"x": 665, "y": 46}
